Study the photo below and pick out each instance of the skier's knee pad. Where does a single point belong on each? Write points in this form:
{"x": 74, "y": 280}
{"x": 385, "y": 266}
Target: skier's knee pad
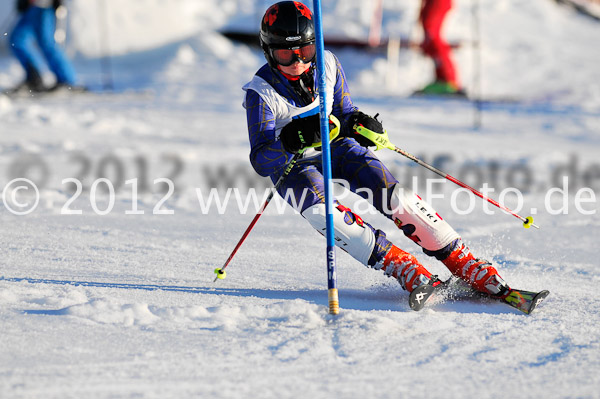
{"x": 351, "y": 234}
{"x": 419, "y": 221}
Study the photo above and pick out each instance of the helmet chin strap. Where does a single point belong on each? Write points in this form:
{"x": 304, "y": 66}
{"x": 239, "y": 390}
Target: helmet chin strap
{"x": 303, "y": 84}
{"x": 307, "y": 84}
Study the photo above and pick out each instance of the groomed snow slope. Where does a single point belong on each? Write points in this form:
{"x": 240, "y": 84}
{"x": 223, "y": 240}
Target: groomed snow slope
{"x": 123, "y": 305}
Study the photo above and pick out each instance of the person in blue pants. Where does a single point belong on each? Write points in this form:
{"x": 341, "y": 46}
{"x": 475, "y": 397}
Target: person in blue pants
{"x": 37, "y": 23}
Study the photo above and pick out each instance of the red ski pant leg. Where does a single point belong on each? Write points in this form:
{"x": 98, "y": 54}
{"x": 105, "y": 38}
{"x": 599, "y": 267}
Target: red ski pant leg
{"x": 432, "y": 17}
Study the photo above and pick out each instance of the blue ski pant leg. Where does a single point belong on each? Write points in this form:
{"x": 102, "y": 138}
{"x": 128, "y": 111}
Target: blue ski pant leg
{"x": 57, "y": 60}
{"x": 22, "y": 42}
{"x": 304, "y": 188}
{"x": 365, "y": 174}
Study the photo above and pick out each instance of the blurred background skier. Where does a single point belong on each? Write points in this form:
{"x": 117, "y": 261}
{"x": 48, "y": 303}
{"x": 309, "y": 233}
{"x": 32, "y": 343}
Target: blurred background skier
{"x": 36, "y": 24}
{"x": 432, "y": 16}
{"x": 282, "y": 109}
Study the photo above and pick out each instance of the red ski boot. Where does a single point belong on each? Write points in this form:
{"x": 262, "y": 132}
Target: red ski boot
{"x": 405, "y": 268}
{"x": 479, "y": 273}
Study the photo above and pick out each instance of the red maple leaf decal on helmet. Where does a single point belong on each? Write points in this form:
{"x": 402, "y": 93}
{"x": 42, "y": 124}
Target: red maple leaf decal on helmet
{"x": 303, "y": 10}
{"x": 271, "y": 15}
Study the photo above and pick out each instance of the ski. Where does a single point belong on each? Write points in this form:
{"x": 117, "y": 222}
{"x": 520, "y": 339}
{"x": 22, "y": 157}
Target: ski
{"x": 453, "y": 288}
{"x": 419, "y": 296}
{"x": 525, "y": 301}
{"x": 423, "y": 293}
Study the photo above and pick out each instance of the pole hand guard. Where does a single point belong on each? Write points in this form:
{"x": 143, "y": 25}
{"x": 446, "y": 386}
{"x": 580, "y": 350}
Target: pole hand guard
{"x": 334, "y": 132}
{"x": 380, "y": 140}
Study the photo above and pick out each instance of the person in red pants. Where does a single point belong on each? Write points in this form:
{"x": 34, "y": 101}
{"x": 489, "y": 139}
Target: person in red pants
{"x": 432, "y": 16}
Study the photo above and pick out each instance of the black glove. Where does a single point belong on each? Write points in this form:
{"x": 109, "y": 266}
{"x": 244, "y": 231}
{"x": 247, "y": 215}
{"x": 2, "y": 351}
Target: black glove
{"x": 22, "y": 5}
{"x": 360, "y": 118}
{"x": 301, "y": 133}
{"x": 57, "y": 3}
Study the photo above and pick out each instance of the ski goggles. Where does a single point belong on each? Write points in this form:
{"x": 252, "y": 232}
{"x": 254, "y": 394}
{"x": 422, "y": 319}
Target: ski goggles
{"x": 288, "y": 56}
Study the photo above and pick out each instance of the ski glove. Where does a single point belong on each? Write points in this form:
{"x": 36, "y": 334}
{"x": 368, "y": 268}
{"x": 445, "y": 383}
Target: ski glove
{"x": 301, "y": 133}
{"x": 362, "y": 119}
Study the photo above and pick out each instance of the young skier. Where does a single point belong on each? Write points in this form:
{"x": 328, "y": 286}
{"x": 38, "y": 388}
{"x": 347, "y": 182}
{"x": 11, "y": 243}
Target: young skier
{"x": 282, "y": 110}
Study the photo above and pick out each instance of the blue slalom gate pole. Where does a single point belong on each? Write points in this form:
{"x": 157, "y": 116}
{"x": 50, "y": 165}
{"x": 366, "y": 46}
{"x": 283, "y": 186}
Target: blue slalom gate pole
{"x": 334, "y": 305}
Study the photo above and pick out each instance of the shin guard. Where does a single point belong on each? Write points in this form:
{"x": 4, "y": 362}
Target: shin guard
{"x": 419, "y": 221}
{"x": 351, "y": 234}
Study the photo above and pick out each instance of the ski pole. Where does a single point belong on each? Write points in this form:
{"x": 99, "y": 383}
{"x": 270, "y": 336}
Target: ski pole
{"x": 220, "y": 271}
{"x": 105, "y": 58}
{"x": 382, "y": 140}
{"x": 476, "y": 57}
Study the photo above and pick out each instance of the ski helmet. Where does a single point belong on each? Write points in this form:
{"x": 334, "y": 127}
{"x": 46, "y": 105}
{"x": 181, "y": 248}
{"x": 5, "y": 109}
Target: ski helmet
{"x": 288, "y": 25}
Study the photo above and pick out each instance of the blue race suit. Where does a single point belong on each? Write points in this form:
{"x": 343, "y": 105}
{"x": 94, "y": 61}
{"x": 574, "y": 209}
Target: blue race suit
{"x": 272, "y": 101}
{"x": 355, "y": 164}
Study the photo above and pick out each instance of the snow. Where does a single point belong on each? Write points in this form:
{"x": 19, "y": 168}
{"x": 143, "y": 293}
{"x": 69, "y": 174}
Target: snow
{"x": 123, "y": 305}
